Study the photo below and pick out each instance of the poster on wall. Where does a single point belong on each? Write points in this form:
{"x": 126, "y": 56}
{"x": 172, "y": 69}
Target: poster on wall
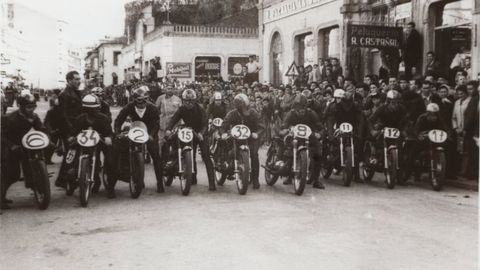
{"x": 179, "y": 70}
{"x": 207, "y": 67}
{"x": 372, "y": 36}
{"x": 237, "y": 66}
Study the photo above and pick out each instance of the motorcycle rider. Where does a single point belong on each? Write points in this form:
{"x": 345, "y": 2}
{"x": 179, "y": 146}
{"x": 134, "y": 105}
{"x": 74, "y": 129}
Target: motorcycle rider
{"x": 140, "y": 109}
{"x": 390, "y": 114}
{"x": 92, "y": 117}
{"x": 195, "y": 117}
{"x": 13, "y": 127}
{"x": 217, "y": 109}
{"x": 244, "y": 115}
{"x": 301, "y": 114}
{"x": 104, "y": 107}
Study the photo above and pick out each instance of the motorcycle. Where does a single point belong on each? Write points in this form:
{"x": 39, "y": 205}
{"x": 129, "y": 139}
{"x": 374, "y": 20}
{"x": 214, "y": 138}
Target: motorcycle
{"x": 34, "y": 167}
{"x": 433, "y": 159}
{"x": 84, "y": 156}
{"x": 232, "y": 158}
{"x": 132, "y": 166}
{"x": 179, "y": 158}
{"x": 289, "y": 158}
{"x": 214, "y": 132}
{"x": 389, "y": 163}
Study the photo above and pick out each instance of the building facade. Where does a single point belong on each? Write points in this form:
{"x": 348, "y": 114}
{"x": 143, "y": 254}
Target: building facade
{"x": 103, "y": 63}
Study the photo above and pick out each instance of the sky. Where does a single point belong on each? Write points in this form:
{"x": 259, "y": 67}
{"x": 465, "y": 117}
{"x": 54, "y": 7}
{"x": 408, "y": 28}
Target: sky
{"x": 88, "y": 20}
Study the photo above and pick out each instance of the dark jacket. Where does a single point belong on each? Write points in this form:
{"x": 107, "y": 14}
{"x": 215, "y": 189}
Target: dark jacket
{"x": 252, "y": 121}
{"x": 414, "y": 104}
{"x": 15, "y": 126}
{"x": 151, "y": 118}
{"x": 98, "y": 122}
{"x": 310, "y": 119}
{"x": 105, "y": 109}
{"x": 70, "y": 102}
{"x": 423, "y": 124}
{"x": 195, "y": 118}
{"x": 215, "y": 111}
{"x": 387, "y": 118}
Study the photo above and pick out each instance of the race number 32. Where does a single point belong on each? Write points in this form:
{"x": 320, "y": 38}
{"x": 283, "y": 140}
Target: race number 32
{"x": 240, "y": 132}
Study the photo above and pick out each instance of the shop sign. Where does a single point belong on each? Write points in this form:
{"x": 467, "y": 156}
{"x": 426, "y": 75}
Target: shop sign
{"x": 289, "y": 7}
{"x": 372, "y": 36}
{"x": 236, "y": 66}
{"x": 179, "y": 70}
{"x": 207, "y": 67}
{"x": 459, "y": 34}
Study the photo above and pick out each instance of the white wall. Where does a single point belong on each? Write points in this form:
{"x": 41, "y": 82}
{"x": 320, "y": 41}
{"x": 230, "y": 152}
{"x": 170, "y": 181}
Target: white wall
{"x": 310, "y": 20}
{"x": 106, "y": 51}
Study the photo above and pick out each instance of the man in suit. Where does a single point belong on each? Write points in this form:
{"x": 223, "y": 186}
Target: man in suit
{"x": 315, "y": 75}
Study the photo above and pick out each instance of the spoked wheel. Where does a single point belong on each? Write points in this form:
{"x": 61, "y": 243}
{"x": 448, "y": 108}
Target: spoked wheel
{"x": 392, "y": 173}
{"x": 300, "y": 177}
{"x": 347, "y": 170}
{"x": 270, "y": 178}
{"x": 438, "y": 170}
{"x": 219, "y": 176}
{"x": 41, "y": 188}
{"x": 243, "y": 175}
{"x": 367, "y": 171}
{"x": 85, "y": 181}
{"x": 137, "y": 174}
{"x": 187, "y": 176}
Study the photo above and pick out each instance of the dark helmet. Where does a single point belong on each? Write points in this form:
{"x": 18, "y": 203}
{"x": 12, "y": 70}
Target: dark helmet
{"x": 140, "y": 93}
{"x": 300, "y": 102}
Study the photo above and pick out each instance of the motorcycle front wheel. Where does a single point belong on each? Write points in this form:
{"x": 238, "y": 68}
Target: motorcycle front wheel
{"x": 347, "y": 170}
{"x": 137, "y": 174}
{"x": 392, "y": 173}
{"x": 186, "y": 177}
{"x": 271, "y": 178}
{"x": 41, "y": 188}
{"x": 243, "y": 175}
{"x": 84, "y": 182}
{"x": 300, "y": 177}
{"x": 367, "y": 171}
{"x": 437, "y": 175}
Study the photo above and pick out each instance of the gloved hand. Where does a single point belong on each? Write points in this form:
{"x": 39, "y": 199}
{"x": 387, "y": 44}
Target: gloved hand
{"x": 224, "y": 136}
{"x": 168, "y": 133}
{"x": 254, "y": 135}
{"x": 283, "y": 132}
{"x": 200, "y": 137}
{"x": 108, "y": 141}
{"x": 317, "y": 135}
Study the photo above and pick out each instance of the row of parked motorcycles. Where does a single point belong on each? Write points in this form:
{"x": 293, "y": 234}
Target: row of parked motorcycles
{"x": 286, "y": 157}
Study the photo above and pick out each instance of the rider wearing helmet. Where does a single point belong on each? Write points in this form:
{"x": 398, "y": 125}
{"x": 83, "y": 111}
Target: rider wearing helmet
{"x": 140, "y": 109}
{"x": 243, "y": 114}
{"x": 217, "y": 108}
{"x": 14, "y": 126}
{"x": 301, "y": 114}
{"x": 91, "y": 117}
{"x": 195, "y": 117}
{"x": 391, "y": 114}
{"x": 104, "y": 107}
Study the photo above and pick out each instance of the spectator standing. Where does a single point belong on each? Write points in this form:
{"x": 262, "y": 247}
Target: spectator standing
{"x": 412, "y": 52}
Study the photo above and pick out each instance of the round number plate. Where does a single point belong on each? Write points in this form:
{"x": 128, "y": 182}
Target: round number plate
{"x": 217, "y": 122}
{"x": 138, "y": 135}
{"x": 88, "y": 138}
{"x": 346, "y": 127}
{"x": 302, "y": 131}
{"x": 437, "y": 136}
{"x": 185, "y": 135}
{"x": 35, "y": 139}
{"x": 391, "y": 133}
{"x": 240, "y": 132}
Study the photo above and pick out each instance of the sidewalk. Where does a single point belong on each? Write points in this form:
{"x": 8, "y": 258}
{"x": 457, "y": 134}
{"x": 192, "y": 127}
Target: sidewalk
{"x": 462, "y": 183}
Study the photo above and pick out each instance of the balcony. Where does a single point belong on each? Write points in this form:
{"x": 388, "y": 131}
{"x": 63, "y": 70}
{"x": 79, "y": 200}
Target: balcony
{"x": 179, "y": 30}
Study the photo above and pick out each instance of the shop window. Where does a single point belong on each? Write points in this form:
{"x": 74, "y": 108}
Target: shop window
{"x": 207, "y": 68}
{"x": 304, "y": 47}
{"x": 116, "y": 55}
{"x": 329, "y": 43}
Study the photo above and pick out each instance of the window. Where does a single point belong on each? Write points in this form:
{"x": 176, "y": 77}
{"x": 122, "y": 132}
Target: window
{"x": 115, "y": 57}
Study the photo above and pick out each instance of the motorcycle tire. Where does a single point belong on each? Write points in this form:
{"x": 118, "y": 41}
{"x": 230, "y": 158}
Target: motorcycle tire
{"x": 366, "y": 171}
{"x": 41, "y": 188}
{"x": 84, "y": 182}
{"x": 137, "y": 174}
{"x": 270, "y": 178}
{"x": 243, "y": 177}
{"x": 300, "y": 177}
{"x": 347, "y": 170}
{"x": 392, "y": 174}
{"x": 187, "y": 176}
{"x": 437, "y": 176}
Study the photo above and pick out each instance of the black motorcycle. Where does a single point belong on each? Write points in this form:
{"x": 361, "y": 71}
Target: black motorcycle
{"x": 432, "y": 159}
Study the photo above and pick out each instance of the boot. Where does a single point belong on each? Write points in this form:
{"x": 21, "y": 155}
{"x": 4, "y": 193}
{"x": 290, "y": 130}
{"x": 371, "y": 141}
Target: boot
{"x": 160, "y": 187}
{"x": 318, "y": 184}
{"x": 111, "y": 194}
{"x": 288, "y": 181}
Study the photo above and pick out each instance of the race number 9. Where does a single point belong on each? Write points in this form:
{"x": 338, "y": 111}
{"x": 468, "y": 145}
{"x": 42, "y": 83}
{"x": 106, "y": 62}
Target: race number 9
{"x": 34, "y": 140}
{"x": 217, "y": 122}
{"x": 240, "y": 132}
{"x": 138, "y": 135}
{"x": 185, "y": 135}
{"x": 437, "y": 136}
{"x": 391, "y": 133}
{"x": 302, "y": 131}
{"x": 88, "y": 138}
{"x": 346, "y": 127}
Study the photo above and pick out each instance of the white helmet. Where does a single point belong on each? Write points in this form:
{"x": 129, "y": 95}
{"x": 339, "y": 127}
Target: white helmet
{"x": 217, "y": 96}
{"x": 241, "y": 100}
{"x": 339, "y": 93}
{"x": 432, "y": 107}
{"x": 98, "y": 91}
{"x": 90, "y": 101}
{"x": 393, "y": 94}
{"x": 189, "y": 94}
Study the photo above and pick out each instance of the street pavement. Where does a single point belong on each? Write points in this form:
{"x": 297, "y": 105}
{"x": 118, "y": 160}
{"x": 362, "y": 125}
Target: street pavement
{"x": 358, "y": 227}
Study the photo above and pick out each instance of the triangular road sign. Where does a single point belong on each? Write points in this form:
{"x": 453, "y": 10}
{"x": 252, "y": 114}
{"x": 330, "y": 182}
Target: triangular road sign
{"x": 292, "y": 70}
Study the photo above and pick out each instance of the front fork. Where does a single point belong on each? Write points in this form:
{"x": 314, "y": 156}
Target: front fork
{"x": 342, "y": 163}
{"x": 94, "y": 159}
